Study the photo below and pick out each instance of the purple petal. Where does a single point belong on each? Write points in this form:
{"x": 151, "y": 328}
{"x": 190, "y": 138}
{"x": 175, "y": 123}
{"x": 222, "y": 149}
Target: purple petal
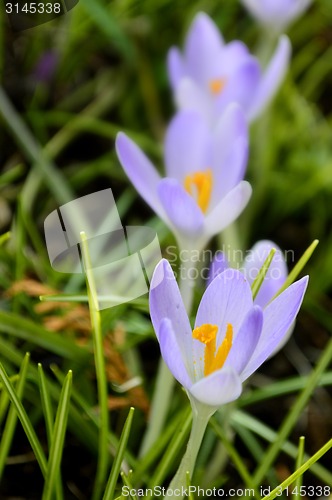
{"x": 140, "y": 171}
{"x": 234, "y": 55}
{"x": 276, "y": 15}
{"x": 228, "y": 209}
{"x": 218, "y": 266}
{"x": 186, "y": 145}
{"x": 217, "y": 389}
{"x": 202, "y": 47}
{"x": 246, "y": 340}
{"x": 241, "y": 86}
{"x": 278, "y": 317}
{"x": 276, "y": 275}
{"x": 171, "y": 353}
{"x": 190, "y": 96}
{"x": 181, "y": 208}
{"x": 166, "y": 302}
{"x": 272, "y": 78}
{"x": 229, "y": 152}
{"x": 226, "y": 300}
{"x": 175, "y": 67}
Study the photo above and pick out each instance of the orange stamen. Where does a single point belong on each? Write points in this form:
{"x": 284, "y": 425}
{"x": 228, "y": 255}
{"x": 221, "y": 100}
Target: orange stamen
{"x": 199, "y": 185}
{"x": 217, "y": 85}
{"x": 207, "y": 335}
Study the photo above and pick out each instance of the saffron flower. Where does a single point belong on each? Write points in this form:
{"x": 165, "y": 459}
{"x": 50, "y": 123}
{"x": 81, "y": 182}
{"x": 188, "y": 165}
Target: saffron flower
{"x": 231, "y": 338}
{"x": 276, "y": 15}
{"x": 203, "y": 191}
{"x": 210, "y": 74}
{"x": 254, "y": 260}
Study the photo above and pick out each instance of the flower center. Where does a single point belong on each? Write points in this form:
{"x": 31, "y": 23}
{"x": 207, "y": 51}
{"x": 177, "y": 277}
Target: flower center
{"x": 199, "y": 185}
{"x": 207, "y": 335}
{"x": 216, "y": 85}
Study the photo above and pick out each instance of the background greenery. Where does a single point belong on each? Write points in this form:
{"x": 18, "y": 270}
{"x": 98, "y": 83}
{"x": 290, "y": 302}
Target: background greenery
{"x": 56, "y": 144}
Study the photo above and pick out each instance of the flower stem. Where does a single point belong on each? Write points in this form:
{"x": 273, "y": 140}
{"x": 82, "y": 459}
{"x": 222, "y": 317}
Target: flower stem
{"x": 201, "y": 417}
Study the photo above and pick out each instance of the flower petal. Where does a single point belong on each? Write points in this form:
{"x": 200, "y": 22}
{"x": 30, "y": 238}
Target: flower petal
{"x": 276, "y": 275}
{"x": 189, "y": 95}
{"x": 181, "y": 208}
{"x": 278, "y": 317}
{"x": 202, "y": 47}
{"x": 228, "y": 209}
{"x": 218, "y": 266}
{"x": 166, "y": 302}
{"x": 175, "y": 67}
{"x": 171, "y": 353}
{"x": 226, "y": 300}
{"x": 241, "y": 86}
{"x": 272, "y": 78}
{"x": 186, "y": 145}
{"x": 246, "y": 340}
{"x": 140, "y": 171}
{"x": 217, "y": 389}
{"x": 229, "y": 152}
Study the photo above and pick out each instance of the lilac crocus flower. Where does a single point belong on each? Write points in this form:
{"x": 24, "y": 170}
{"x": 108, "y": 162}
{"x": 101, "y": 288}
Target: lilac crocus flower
{"x": 203, "y": 190}
{"x": 232, "y": 337}
{"x": 255, "y": 258}
{"x": 211, "y": 74}
{"x": 276, "y": 15}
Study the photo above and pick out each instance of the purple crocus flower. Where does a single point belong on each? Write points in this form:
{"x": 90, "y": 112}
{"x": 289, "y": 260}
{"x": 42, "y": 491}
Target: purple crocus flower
{"x": 232, "y": 337}
{"x": 211, "y": 74}
{"x": 276, "y": 15}
{"x": 255, "y": 258}
{"x": 203, "y": 191}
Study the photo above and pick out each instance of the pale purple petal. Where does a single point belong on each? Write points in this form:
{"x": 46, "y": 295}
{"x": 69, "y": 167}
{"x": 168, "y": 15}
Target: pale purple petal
{"x": 229, "y": 152}
{"x": 246, "y": 340}
{"x": 276, "y": 15}
{"x": 275, "y": 276}
{"x": 272, "y": 78}
{"x": 233, "y": 56}
{"x": 165, "y": 301}
{"x": 226, "y": 300}
{"x": 240, "y": 86}
{"x": 140, "y": 171}
{"x": 218, "y": 266}
{"x": 171, "y": 353}
{"x": 187, "y": 144}
{"x": 175, "y": 67}
{"x": 180, "y": 208}
{"x": 217, "y": 389}
{"x": 228, "y": 209}
{"x": 202, "y": 47}
{"x": 189, "y": 95}
{"x": 278, "y": 317}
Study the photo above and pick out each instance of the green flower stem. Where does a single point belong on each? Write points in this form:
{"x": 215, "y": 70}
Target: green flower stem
{"x": 201, "y": 417}
{"x": 165, "y": 382}
{"x": 102, "y": 465}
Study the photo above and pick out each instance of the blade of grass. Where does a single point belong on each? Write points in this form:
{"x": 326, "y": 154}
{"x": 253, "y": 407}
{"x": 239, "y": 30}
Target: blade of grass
{"x": 293, "y": 414}
{"x": 277, "y": 491}
{"x": 114, "y": 474}
{"x": 58, "y": 438}
{"x": 25, "y": 421}
{"x": 49, "y": 420}
{"x": 100, "y": 372}
{"x": 4, "y": 237}
{"x": 299, "y": 462}
{"x": 9, "y": 429}
{"x": 262, "y": 273}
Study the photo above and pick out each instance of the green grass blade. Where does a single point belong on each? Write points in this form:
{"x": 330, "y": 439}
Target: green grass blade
{"x": 49, "y": 419}
{"x": 293, "y": 415}
{"x": 25, "y": 421}
{"x": 8, "y": 432}
{"x": 58, "y": 438}
{"x": 299, "y": 462}
{"x": 4, "y": 237}
{"x": 114, "y": 474}
{"x": 298, "y": 268}
{"x": 100, "y": 372}
{"x": 262, "y": 273}
{"x": 277, "y": 491}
